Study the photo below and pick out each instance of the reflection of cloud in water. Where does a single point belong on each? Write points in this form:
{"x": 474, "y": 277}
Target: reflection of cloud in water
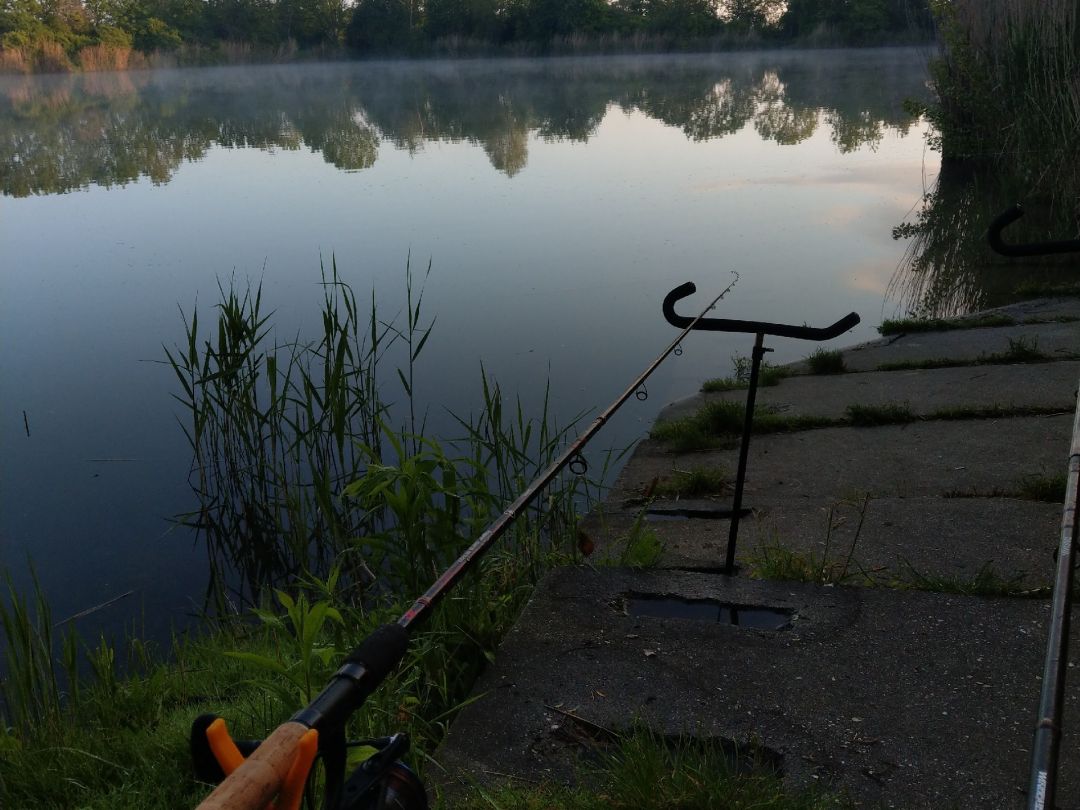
{"x": 869, "y": 276}
{"x": 896, "y": 174}
{"x": 840, "y": 216}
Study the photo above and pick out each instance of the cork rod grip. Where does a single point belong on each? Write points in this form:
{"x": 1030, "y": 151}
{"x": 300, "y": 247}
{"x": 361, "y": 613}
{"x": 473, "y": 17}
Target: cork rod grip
{"x": 258, "y": 779}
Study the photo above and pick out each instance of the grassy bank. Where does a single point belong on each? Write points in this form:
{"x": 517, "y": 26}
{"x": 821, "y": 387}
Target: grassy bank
{"x": 324, "y": 512}
{"x": 309, "y": 482}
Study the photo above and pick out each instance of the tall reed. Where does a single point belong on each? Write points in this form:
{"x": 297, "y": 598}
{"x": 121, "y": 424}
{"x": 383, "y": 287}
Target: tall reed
{"x": 1008, "y": 83}
{"x": 274, "y": 428}
{"x": 298, "y": 463}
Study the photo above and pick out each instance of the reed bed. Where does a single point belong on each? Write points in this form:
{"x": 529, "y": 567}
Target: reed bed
{"x": 299, "y": 463}
{"x": 1008, "y": 82}
{"x": 324, "y": 509}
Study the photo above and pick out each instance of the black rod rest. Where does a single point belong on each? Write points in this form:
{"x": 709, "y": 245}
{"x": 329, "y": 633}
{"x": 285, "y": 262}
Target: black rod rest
{"x": 759, "y": 329}
{"x": 1009, "y": 216}
{"x": 754, "y": 327}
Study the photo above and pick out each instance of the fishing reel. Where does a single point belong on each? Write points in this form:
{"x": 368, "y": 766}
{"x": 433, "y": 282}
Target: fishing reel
{"x": 381, "y": 782}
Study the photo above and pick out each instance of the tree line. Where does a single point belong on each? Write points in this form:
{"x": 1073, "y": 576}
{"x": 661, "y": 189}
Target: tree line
{"x": 416, "y": 27}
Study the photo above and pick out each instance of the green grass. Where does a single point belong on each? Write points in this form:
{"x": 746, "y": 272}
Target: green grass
{"x": 826, "y": 361}
{"x": 644, "y": 771}
{"x": 768, "y": 375}
{"x": 1048, "y": 488}
{"x": 773, "y": 560}
{"x": 908, "y": 325}
{"x": 293, "y": 448}
{"x": 962, "y": 412}
{"x": 697, "y": 482}
{"x": 719, "y": 423}
{"x": 871, "y": 415}
{"x": 931, "y": 363}
{"x": 985, "y": 582}
{"x": 1020, "y": 350}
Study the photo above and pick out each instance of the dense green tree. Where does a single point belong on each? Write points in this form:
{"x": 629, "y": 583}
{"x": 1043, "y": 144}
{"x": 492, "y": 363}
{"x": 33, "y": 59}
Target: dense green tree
{"x": 751, "y": 15}
{"x": 684, "y": 18}
{"x": 313, "y": 22}
{"x": 474, "y": 19}
{"x": 856, "y": 20}
{"x": 380, "y": 25}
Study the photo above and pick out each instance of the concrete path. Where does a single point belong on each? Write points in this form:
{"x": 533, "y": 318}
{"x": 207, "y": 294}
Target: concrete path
{"x": 882, "y": 683}
{"x": 897, "y": 699}
{"x": 924, "y": 391}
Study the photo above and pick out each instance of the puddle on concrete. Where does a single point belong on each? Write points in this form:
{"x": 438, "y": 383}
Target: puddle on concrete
{"x": 708, "y": 610}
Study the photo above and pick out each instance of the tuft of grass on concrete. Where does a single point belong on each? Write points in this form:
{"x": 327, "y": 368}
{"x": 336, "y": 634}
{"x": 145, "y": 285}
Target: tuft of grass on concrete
{"x": 1048, "y": 488}
{"x": 826, "y": 361}
{"x": 873, "y": 415}
{"x": 646, "y": 771}
{"x": 918, "y": 365}
{"x": 901, "y": 326}
{"x": 986, "y": 582}
{"x": 697, "y": 482}
{"x": 768, "y": 376}
{"x": 1020, "y": 350}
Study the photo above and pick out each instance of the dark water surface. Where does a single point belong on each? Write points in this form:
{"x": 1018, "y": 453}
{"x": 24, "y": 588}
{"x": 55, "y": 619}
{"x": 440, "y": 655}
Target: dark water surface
{"x": 557, "y": 201}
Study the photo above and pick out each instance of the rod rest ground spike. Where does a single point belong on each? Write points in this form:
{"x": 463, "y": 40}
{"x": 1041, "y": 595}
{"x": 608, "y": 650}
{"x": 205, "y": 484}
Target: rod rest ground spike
{"x": 1009, "y": 216}
{"x": 754, "y": 327}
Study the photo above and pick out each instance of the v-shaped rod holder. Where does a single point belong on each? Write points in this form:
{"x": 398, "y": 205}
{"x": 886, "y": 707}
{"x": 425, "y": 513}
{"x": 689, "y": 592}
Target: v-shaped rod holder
{"x": 759, "y": 329}
{"x": 1009, "y": 216}
{"x": 754, "y": 327}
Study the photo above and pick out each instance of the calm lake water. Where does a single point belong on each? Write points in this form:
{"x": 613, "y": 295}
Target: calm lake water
{"x": 557, "y": 202}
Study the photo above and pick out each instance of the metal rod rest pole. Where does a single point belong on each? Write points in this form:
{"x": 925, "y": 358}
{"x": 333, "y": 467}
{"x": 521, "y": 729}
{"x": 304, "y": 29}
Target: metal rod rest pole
{"x": 744, "y": 451}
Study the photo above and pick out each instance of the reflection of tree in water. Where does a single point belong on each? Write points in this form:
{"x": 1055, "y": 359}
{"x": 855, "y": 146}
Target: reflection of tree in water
{"x": 60, "y": 134}
{"x": 948, "y": 267}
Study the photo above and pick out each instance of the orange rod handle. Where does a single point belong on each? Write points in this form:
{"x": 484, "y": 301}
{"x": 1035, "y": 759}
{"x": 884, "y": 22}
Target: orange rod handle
{"x": 260, "y": 777}
{"x": 292, "y": 791}
{"x": 223, "y": 747}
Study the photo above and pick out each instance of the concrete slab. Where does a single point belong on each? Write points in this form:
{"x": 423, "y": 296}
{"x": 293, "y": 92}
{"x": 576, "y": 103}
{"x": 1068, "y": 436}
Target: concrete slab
{"x": 899, "y": 539}
{"x": 909, "y": 538}
{"x": 924, "y": 391}
{"x": 1042, "y": 308}
{"x": 1058, "y": 340}
{"x": 919, "y": 459}
{"x": 898, "y": 699}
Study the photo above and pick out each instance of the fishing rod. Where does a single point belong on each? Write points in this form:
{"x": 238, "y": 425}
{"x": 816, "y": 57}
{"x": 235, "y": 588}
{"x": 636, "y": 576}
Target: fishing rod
{"x": 1042, "y": 779}
{"x": 251, "y": 774}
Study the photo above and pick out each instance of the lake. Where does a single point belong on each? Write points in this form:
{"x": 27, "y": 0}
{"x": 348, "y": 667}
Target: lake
{"x": 557, "y": 202}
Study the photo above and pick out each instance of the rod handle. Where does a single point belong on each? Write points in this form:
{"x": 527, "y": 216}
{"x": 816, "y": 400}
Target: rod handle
{"x": 260, "y": 776}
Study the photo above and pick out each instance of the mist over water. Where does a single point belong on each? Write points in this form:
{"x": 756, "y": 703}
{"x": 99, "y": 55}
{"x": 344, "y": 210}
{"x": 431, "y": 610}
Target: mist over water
{"x": 556, "y": 200}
